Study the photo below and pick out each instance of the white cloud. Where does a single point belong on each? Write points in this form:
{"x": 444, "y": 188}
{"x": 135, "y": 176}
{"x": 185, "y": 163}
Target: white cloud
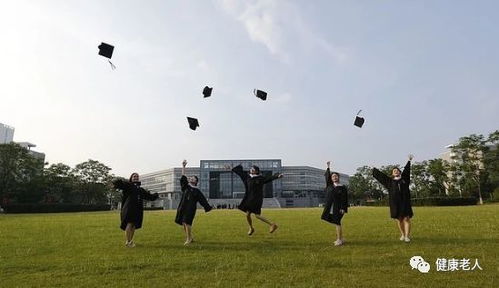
{"x": 280, "y": 27}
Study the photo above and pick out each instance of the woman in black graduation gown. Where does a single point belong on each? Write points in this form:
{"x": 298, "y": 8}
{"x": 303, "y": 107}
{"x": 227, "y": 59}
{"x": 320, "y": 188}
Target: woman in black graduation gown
{"x": 132, "y": 206}
{"x": 186, "y": 210}
{"x": 399, "y": 197}
{"x": 253, "y": 196}
{"x": 337, "y": 198}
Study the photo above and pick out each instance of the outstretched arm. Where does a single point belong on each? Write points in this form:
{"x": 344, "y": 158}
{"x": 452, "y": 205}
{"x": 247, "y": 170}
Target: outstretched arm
{"x": 271, "y": 178}
{"x": 406, "y": 174}
{"x": 120, "y": 184}
{"x": 184, "y": 163}
{"x": 204, "y": 202}
{"x": 240, "y": 172}
{"x": 381, "y": 177}
{"x": 183, "y": 179}
{"x": 327, "y": 174}
{"x": 147, "y": 195}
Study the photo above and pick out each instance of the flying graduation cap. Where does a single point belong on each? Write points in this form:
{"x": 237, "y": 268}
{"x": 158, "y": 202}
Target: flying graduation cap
{"x": 106, "y": 50}
{"x": 207, "y": 91}
{"x": 193, "y": 123}
{"x": 260, "y": 94}
{"x": 359, "y": 121}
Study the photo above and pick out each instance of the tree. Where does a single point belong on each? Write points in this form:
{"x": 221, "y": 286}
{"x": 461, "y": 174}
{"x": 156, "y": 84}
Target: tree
{"x": 60, "y": 183}
{"x": 491, "y": 161}
{"x": 20, "y": 174}
{"x": 437, "y": 170}
{"x": 93, "y": 178}
{"x": 362, "y": 185}
{"x": 469, "y": 152}
{"x": 420, "y": 179}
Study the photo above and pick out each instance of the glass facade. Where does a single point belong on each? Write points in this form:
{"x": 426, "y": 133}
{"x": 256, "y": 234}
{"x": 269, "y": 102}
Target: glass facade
{"x": 301, "y": 186}
{"x": 220, "y": 183}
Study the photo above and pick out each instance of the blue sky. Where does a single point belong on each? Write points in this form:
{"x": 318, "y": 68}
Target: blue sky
{"x": 423, "y": 72}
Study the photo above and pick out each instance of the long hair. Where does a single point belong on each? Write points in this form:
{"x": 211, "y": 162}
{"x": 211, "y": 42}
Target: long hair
{"x": 131, "y": 176}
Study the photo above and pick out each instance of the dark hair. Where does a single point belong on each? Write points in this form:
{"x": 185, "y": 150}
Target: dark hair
{"x": 257, "y": 169}
{"x": 131, "y": 176}
{"x": 336, "y": 173}
{"x": 197, "y": 179}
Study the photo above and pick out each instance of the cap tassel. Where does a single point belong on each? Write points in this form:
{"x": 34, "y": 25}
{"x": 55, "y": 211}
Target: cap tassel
{"x": 112, "y": 65}
{"x": 359, "y": 112}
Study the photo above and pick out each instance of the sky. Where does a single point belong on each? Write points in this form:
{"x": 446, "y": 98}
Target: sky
{"x": 424, "y": 73}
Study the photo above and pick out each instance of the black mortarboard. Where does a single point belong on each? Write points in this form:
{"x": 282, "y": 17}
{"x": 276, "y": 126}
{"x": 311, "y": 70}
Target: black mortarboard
{"x": 106, "y": 50}
{"x": 359, "y": 121}
{"x": 260, "y": 94}
{"x": 193, "y": 123}
{"x": 207, "y": 91}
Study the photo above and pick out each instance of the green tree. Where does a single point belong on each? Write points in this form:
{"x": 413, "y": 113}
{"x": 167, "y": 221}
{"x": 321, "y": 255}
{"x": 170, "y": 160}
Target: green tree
{"x": 491, "y": 162}
{"x": 92, "y": 182}
{"x": 469, "y": 152}
{"x": 437, "y": 170}
{"x": 362, "y": 185}
{"x": 20, "y": 174}
{"x": 60, "y": 183}
{"x": 420, "y": 180}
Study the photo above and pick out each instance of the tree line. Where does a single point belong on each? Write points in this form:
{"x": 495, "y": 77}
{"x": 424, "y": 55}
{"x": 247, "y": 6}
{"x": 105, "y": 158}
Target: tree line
{"x": 27, "y": 179}
{"x": 472, "y": 171}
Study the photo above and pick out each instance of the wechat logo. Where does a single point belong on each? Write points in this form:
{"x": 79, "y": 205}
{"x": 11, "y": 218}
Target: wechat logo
{"x": 417, "y": 262}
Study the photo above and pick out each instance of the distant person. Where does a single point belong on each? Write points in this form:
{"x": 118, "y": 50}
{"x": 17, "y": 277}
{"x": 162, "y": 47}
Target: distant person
{"x": 132, "y": 206}
{"x": 337, "y": 198}
{"x": 253, "y": 196}
{"x": 399, "y": 197}
{"x": 186, "y": 211}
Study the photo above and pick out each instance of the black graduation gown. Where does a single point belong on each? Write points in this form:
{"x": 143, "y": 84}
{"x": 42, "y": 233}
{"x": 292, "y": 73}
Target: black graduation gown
{"x": 253, "y": 196}
{"x": 188, "y": 204}
{"x": 337, "y": 198}
{"x": 399, "y": 194}
{"x": 132, "y": 205}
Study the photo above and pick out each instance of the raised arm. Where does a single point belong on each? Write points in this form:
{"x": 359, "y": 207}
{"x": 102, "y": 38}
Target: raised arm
{"x": 406, "y": 174}
{"x": 381, "y": 177}
{"x": 327, "y": 174}
{"x": 183, "y": 179}
{"x": 240, "y": 172}
{"x": 184, "y": 163}
{"x": 183, "y": 183}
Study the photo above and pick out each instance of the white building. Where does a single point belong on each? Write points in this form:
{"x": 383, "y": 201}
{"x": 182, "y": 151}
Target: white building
{"x": 6, "y": 134}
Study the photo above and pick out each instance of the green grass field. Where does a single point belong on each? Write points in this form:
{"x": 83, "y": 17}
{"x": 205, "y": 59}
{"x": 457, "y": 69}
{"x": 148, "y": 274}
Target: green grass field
{"x": 87, "y": 250}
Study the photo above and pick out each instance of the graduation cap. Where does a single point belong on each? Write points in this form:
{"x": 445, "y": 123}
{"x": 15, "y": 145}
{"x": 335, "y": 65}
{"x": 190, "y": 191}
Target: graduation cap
{"x": 260, "y": 94}
{"x": 193, "y": 123}
{"x": 106, "y": 50}
{"x": 207, "y": 91}
{"x": 359, "y": 121}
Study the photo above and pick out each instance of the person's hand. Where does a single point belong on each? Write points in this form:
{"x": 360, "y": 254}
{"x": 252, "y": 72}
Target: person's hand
{"x": 228, "y": 167}
{"x": 342, "y": 211}
{"x": 184, "y": 163}
{"x": 411, "y": 157}
{"x": 328, "y": 163}
{"x": 280, "y": 175}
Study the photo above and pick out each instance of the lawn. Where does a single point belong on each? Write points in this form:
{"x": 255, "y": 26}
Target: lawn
{"x": 87, "y": 250}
